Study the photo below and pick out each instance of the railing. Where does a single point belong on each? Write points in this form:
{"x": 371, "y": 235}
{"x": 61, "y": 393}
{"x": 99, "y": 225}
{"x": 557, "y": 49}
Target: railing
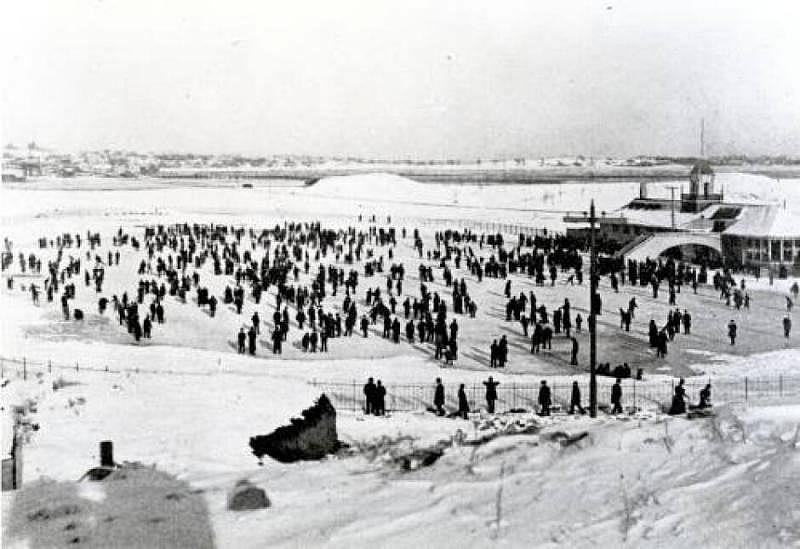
{"x": 636, "y": 395}
{"x": 648, "y": 394}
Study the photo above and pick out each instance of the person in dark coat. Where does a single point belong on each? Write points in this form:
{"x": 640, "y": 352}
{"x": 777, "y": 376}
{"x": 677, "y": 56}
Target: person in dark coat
{"x": 575, "y": 400}
{"x": 732, "y": 331}
{"x": 364, "y": 325}
{"x": 463, "y": 403}
{"x": 241, "y": 338}
{"x": 277, "y": 340}
{"x": 251, "y": 340}
{"x": 787, "y": 326}
{"x": 678, "y": 402}
{"x": 491, "y": 393}
{"x": 502, "y": 352}
{"x": 438, "y": 397}
{"x": 147, "y": 326}
{"x": 653, "y": 333}
{"x": 313, "y": 339}
{"x": 380, "y": 399}
{"x": 616, "y": 397}
{"x": 369, "y": 397}
{"x": 545, "y": 400}
{"x": 705, "y": 397}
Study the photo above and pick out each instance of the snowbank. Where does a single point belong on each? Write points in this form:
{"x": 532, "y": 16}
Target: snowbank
{"x": 378, "y": 186}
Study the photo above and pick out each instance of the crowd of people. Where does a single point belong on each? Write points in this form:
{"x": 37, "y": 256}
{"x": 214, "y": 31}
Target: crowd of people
{"x": 333, "y": 284}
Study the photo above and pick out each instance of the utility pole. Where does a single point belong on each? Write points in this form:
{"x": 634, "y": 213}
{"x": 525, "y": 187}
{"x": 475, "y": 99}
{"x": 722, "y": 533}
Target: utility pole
{"x": 592, "y": 317}
{"x": 702, "y": 138}
{"x": 672, "y": 202}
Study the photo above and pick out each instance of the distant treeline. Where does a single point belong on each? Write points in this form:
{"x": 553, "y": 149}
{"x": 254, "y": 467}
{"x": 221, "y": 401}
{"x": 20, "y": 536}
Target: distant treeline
{"x": 735, "y": 160}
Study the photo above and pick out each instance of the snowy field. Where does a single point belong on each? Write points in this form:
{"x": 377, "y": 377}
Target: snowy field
{"x": 640, "y": 480}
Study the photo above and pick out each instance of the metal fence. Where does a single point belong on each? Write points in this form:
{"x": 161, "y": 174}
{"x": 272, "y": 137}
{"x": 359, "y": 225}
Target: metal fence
{"x": 636, "y": 395}
{"x": 24, "y": 367}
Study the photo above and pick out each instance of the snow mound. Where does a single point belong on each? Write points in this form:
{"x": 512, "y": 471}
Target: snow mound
{"x": 377, "y": 186}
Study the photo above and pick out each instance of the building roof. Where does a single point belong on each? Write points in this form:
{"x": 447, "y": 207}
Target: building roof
{"x": 767, "y": 222}
{"x": 661, "y": 216}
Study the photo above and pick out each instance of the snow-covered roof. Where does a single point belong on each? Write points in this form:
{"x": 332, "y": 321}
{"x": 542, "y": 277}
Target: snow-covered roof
{"x": 662, "y": 217}
{"x": 767, "y": 221}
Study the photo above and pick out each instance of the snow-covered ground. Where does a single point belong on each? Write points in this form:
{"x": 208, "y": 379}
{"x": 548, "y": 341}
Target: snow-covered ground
{"x": 645, "y": 480}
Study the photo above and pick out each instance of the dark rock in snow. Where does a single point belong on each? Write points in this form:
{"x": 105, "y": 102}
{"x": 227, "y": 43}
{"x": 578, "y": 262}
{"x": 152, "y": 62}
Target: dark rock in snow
{"x": 247, "y": 496}
{"x": 312, "y": 437}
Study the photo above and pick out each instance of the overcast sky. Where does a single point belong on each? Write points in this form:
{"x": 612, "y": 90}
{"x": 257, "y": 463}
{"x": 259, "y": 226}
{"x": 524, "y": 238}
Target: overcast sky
{"x": 459, "y": 79}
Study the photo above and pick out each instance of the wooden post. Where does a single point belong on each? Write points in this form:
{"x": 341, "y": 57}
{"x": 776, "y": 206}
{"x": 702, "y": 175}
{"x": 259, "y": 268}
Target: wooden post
{"x": 592, "y": 318}
{"x": 24, "y": 369}
{"x": 106, "y": 453}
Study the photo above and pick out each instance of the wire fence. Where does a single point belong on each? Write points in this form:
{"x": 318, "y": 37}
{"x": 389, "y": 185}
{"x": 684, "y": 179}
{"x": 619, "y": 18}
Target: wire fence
{"x": 636, "y": 395}
{"x": 24, "y": 367}
{"x": 486, "y": 227}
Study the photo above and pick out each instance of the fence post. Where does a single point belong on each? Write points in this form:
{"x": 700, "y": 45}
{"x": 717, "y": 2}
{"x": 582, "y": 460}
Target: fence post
{"x": 24, "y": 368}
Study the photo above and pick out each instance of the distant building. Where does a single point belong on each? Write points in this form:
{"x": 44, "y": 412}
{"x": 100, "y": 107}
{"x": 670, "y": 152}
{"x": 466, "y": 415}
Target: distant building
{"x": 13, "y": 174}
{"x": 701, "y": 226}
